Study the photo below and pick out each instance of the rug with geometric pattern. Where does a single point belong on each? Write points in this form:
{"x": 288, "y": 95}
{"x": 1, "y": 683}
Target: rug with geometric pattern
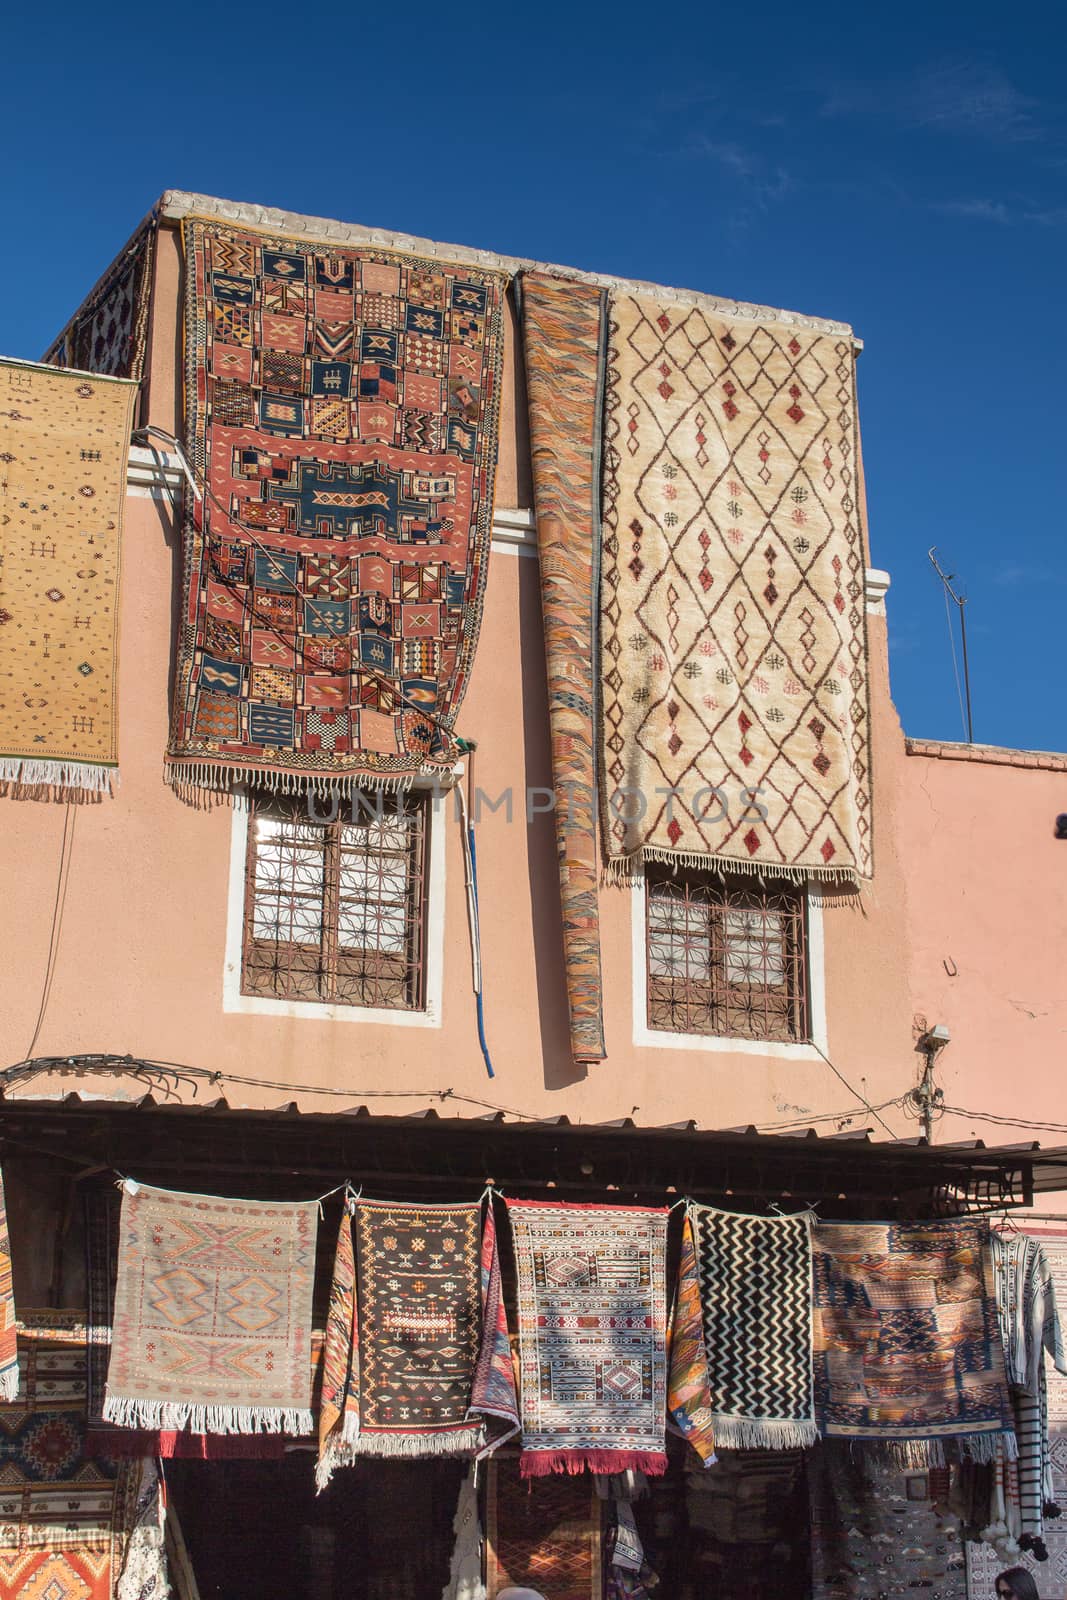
{"x": 755, "y": 1291}
{"x": 342, "y": 417}
{"x": 734, "y": 653}
{"x": 65, "y": 1520}
{"x": 543, "y": 1535}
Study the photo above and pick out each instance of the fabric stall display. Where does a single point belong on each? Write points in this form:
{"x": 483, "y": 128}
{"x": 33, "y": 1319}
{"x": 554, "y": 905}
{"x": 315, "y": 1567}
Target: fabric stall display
{"x": 413, "y": 1361}
{"x": 108, "y": 334}
{"x": 592, "y": 1336}
{"x": 1019, "y": 1308}
{"x": 212, "y": 1321}
{"x": 753, "y": 1286}
{"x": 102, "y": 1211}
{"x": 465, "y": 1580}
{"x": 1030, "y": 1328}
{"x": 144, "y": 1571}
{"x": 544, "y": 1535}
{"x": 65, "y": 1521}
{"x": 907, "y": 1344}
{"x": 564, "y": 328}
{"x": 342, "y": 414}
{"x": 876, "y": 1531}
{"x": 734, "y": 654}
{"x": 65, "y": 440}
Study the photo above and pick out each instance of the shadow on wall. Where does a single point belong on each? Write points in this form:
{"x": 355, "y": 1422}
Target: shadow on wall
{"x": 542, "y": 863}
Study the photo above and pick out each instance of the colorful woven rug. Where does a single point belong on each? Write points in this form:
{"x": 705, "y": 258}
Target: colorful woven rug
{"x": 102, "y": 1208}
{"x": 907, "y": 1344}
{"x": 688, "y": 1394}
{"x": 342, "y": 409}
{"x": 734, "y": 657}
{"x": 420, "y": 1379}
{"x": 545, "y": 1536}
{"x": 212, "y": 1328}
{"x": 64, "y": 442}
{"x": 9, "y": 1356}
{"x": 564, "y": 326}
{"x": 592, "y": 1334}
{"x": 878, "y": 1532}
{"x": 754, "y": 1275}
{"x": 65, "y": 1521}
{"x": 108, "y": 333}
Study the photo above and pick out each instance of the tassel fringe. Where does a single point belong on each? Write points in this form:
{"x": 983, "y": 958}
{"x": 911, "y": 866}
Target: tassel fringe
{"x": 907, "y": 1455}
{"x": 168, "y": 1416}
{"x": 83, "y": 782}
{"x": 540, "y": 1463}
{"x": 745, "y": 1433}
{"x": 205, "y": 784}
{"x": 625, "y": 871}
{"x": 9, "y": 1383}
{"x": 345, "y": 1452}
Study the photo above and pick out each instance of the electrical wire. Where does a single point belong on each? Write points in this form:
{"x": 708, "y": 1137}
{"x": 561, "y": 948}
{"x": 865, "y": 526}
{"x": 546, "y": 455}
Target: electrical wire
{"x": 864, "y": 1102}
{"x": 1006, "y": 1122}
{"x": 139, "y": 1066}
{"x": 66, "y": 851}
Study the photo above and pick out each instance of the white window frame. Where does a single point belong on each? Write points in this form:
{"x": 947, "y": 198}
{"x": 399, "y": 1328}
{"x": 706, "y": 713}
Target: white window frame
{"x": 428, "y": 1016}
{"x": 721, "y": 1044}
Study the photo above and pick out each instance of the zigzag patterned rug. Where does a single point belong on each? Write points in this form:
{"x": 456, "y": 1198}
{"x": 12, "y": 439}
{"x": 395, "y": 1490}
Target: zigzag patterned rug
{"x": 755, "y": 1296}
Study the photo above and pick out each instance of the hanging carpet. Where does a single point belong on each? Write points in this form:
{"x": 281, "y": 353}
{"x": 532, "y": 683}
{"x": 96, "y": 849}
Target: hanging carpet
{"x": 563, "y": 326}
{"x": 9, "y": 1357}
{"x": 342, "y": 410}
{"x": 592, "y": 1335}
{"x": 416, "y": 1342}
{"x": 102, "y": 1210}
{"x": 734, "y": 658}
{"x": 65, "y": 1521}
{"x": 754, "y": 1278}
{"x": 907, "y": 1345}
{"x": 108, "y": 333}
{"x": 65, "y": 440}
{"x": 212, "y": 1324}
{"x": 877, "y": 1531}
{"x": 544, "y": 1535}
{"x": 983, "y": 1559}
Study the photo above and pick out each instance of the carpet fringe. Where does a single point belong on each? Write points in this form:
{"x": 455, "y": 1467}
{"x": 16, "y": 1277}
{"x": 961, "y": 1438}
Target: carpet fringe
{"x": 541, "y": 1463}
{"x": 397, "y": 1446}
{"x": 168, "y": 1416}
{"x": 78, "y": 781}
{"x": 747, "y": 1433}
{"x": 625, "y": 871}
{"x": 204, "y": 784}
{"x": 9, "y": 1384}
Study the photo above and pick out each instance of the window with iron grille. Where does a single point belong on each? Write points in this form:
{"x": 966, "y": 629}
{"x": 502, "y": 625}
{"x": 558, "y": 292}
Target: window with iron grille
{"x": 726, "y": 958}
{"x": 335, "y": 912}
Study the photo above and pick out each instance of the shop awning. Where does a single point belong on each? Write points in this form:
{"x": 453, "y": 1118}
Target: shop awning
{"x": 430, "y": 1153}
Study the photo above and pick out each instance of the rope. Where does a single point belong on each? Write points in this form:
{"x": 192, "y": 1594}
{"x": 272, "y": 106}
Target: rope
{"x": 470, "y": 876}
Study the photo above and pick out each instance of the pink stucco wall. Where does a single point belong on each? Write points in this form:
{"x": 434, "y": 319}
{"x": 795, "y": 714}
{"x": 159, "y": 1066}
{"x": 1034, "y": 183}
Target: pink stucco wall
{"x": 965, "y": 876}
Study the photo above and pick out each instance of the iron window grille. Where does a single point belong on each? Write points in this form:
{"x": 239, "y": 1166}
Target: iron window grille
{"x": 726, "y": 957}
{"x": 335, "y": 912}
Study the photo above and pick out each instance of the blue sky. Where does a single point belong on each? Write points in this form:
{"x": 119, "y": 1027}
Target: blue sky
{"x": 902, "y": 168}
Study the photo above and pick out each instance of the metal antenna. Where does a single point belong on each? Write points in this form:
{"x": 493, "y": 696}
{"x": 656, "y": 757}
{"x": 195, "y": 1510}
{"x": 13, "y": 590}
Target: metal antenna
{"x": 960, "y": 601}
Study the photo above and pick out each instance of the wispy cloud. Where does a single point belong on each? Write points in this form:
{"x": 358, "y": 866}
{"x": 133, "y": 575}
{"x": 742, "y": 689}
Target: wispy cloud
{"x": 964, "y": 98}
{"x": 763, "y": 182}
{"x": 1001, "y": 212}
{"x": 1016, "y": 574}
{"x": 971, "y": 98}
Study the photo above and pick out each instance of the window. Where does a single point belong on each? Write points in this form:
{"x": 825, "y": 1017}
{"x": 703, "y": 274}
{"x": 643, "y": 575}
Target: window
{"x": 726, "y": 957}
{"x": 334, "y": 912}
